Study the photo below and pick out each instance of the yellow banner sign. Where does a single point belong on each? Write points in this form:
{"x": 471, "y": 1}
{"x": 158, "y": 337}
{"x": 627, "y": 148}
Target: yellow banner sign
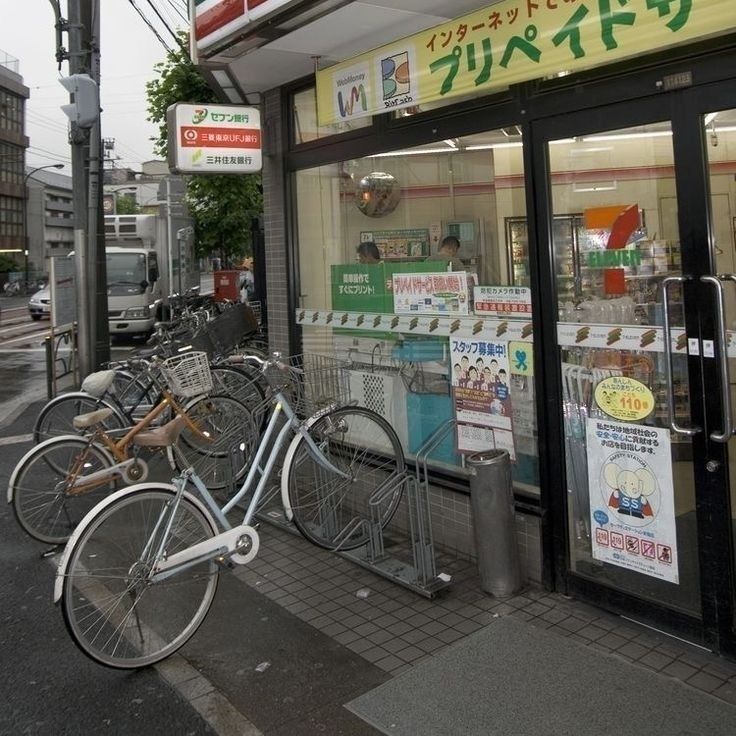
{"x": 510, "y": 42}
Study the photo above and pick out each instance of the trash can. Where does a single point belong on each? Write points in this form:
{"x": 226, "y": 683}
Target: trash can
{"x": 492, "y": 502}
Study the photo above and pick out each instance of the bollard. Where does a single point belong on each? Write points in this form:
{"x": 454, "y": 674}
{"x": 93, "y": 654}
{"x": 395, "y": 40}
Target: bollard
{"x": 492, "y": 501}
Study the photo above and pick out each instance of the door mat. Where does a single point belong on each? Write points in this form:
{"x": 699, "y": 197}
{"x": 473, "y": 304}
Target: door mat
{"x": 513, "y": 678}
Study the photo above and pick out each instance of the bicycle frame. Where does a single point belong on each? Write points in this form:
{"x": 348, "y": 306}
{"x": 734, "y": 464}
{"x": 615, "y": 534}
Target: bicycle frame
{"x": 119, "y": 448}
{"x": 228, "y": 541}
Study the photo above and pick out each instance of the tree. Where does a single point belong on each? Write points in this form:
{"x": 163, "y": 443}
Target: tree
{"x": 126, "y": 205}
{"x": 222, "y": 206}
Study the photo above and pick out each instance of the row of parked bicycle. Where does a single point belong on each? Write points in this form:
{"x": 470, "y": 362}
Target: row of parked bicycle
{"x": 141, "y": 562}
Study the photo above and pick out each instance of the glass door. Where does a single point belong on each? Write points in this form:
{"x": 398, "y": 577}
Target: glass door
{"x": 644, "y": 347}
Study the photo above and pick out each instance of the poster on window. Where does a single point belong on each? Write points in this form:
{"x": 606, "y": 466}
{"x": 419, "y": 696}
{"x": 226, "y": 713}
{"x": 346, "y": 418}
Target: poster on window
{"x": 632, "y": 502}
{"x": 482, "y": 397}
{"x": 431, "y": 293}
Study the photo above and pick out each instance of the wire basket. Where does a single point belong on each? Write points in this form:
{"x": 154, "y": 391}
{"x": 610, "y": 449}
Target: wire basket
{"x": 188, "y": 374}
{"x": 312, "y": 383}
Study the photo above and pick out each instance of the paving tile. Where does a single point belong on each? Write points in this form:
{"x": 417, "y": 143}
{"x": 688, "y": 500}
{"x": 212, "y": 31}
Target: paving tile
{"x": 418, "y": 619}
{"x": 391, "y": 663}
{"x": 450, "y": 619}
{"x": 449, "y": 636}
{"x": 679, "y": 670}
{"x": 347, "y": 637}
{"x": 572, "y": 624}
{"x": 655, "y": 660}
{"x": 374, "y": 654}
{"x": 554, "y": 616}
{"x": 411, "y": 654}
{"x": 366, "y": 628}
{"x": 720, "y": 668}
{"x": 413, "y": 636}
{"x": 380, "y": 637}
{"x": 726, "y": 692}
{"x": 468, "y": 627}
{"x": 521, "y": 615}
{"x": 400, "y": 628}
{"x": 591, "y": 632}
{"x": 360, "y": 645}
{"x": 612, "y": 640}
{"x": 631, "y": 650}
{"x": 704, "y": 681}
{"x": 430, "y": 645}
{"x": 334, "y": 629}
{"x": 385, "y": 620}
{"x": 487, "y": 617}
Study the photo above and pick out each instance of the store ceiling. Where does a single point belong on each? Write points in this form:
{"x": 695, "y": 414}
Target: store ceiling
{"x": 276, "y": 53}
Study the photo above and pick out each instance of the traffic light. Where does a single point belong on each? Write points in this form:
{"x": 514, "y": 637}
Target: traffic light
{"x": 85, "y": 106}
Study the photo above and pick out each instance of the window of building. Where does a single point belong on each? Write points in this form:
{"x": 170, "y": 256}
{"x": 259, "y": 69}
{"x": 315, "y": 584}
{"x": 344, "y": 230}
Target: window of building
{"x": 11, "y": 112}
{"x": 432, "y": 335}
{"x": 11, "y": 164}
{"x": 304, "y": 119}
{"x": 11, "y": 216}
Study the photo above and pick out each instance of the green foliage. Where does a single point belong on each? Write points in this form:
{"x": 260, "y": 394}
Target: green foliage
{"x": 7, "y": 264}
{"x": 126, "y": 205}
{"x": 222, "y": 206}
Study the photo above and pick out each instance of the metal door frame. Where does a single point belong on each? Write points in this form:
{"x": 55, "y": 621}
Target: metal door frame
{"x": 684, "y": 108}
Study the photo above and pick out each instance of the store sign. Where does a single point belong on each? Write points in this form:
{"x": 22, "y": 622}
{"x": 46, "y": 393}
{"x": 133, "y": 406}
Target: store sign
{"x": 431, "y": 293}
{"x": 632, "y": 499}
{"x": 510, "y": 42}
{"x": 214, "y": 20}
{"x": 214, "y": 139}
{"x": 503, "y": 301}
{"x": 410, "y": 243}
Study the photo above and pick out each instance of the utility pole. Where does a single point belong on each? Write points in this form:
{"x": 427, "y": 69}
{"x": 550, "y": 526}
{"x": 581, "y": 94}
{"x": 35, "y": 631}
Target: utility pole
{"x": 93, "y": 341}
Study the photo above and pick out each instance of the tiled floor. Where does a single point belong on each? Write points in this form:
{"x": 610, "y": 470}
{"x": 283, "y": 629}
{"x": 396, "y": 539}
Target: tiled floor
{"x": 395, "y": 628}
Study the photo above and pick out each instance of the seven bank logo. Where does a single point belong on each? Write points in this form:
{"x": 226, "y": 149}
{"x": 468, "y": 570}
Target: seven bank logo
{"x": 395, "y": 76}
{"x": 198, "y": 115}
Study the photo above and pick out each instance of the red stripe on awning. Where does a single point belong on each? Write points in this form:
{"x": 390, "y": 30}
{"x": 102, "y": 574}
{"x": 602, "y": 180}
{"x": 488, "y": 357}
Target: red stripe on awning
{"x": 220, "y": 15}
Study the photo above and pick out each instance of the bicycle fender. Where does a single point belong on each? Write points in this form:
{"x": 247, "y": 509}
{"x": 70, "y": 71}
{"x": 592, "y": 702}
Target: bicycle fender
{"x": 288, "y": 512}
{"x": 92, "y": 515}
{"x": 46, "y": 443}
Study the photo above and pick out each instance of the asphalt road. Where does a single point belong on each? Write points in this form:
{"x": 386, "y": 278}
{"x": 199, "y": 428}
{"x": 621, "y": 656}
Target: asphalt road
{"x": 48, "y": 685}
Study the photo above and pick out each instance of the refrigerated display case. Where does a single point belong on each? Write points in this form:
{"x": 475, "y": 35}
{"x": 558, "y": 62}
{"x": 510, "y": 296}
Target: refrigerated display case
{"x": 568, "y": 232}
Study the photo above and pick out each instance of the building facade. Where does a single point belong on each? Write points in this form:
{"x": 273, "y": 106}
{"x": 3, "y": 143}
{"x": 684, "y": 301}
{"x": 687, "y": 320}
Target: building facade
{"x": 13, "y": 143}
{"x": 590, "y": 333}
{"x": 50, "y": 218}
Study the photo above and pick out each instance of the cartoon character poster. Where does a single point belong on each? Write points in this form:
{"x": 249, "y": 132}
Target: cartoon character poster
{"x": 481, "y": 390}
{"x": 632, "y": 497}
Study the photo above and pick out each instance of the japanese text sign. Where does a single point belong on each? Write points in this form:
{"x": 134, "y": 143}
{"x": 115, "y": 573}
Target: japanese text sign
{"x": 507, "y": 43}
{"x": 214, "y": 139}
{"x": 431, "y": 293}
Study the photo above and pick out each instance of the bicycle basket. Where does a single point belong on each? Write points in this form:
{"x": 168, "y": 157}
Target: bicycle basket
{"x": 188, "y": 374}
{"x": 316, "y": 381}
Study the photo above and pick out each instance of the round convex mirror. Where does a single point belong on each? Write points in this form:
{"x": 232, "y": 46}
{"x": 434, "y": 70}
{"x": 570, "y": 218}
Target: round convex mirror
{"x": 377, "y": 194}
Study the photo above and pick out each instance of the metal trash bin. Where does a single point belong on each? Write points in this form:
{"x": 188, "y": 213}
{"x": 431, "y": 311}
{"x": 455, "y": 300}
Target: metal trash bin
{"x": 492, "y": 501}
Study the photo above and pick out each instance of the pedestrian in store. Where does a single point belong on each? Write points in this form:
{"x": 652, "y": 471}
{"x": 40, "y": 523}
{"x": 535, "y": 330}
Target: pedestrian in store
{"x": 449, "y": 247}
{"x": 368, "y": 252}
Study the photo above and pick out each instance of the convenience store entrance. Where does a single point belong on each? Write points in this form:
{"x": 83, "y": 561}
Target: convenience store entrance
{"x": 644, "y": 517}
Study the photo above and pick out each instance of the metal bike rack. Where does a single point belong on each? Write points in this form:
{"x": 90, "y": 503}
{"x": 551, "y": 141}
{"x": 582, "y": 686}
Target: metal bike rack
{"x": 419, "y": 575}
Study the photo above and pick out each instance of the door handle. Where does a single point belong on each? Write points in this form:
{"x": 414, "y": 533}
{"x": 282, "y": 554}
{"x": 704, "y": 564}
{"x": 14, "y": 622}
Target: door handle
{"x": 725, "y": 435}
{"x": 672, "y": 421}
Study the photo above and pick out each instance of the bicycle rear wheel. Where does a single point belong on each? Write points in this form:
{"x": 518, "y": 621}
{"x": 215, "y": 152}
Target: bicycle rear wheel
{"x": 222, "y": 457}
{"x": 57, "y": 416}
{"x": 47, "y": 502}
{"x": 112, "y": 610}
{"x": 332, "y": 511}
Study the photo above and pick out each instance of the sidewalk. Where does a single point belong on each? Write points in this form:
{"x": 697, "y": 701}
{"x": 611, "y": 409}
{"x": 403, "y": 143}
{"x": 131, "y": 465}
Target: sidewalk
{"x": 301, "y": 632}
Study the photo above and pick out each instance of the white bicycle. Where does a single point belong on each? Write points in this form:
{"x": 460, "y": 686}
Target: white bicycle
{"x": 140, "y": 572}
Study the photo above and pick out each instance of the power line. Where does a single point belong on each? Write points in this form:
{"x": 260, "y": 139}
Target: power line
{"x": 150, "y": 25}
{"x": 185, "y": 18}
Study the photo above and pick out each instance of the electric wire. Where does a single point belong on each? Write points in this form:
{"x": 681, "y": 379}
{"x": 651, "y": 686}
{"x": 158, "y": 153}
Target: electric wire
{"x": 150, "y": 25}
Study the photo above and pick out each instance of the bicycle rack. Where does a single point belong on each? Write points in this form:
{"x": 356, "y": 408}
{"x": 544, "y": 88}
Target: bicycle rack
{"x": 421, "y": 574}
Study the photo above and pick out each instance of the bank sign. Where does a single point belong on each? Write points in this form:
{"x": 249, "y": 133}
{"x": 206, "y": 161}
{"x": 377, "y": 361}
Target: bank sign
{"x": 510, "y": 42}
{"x": 214, "y": 139}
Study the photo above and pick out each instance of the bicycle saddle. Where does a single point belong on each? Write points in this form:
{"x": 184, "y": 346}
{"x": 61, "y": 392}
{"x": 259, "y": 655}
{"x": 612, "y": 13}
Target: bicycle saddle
{"x": 84, "y": 421}
{"x": 97, "y": 383}
{"x": 164, "y": 436}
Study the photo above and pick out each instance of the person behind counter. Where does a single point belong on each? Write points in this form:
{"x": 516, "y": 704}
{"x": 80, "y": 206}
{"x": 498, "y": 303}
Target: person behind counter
{"x": 368, "y": 252}
{"x": 449, "y": 247}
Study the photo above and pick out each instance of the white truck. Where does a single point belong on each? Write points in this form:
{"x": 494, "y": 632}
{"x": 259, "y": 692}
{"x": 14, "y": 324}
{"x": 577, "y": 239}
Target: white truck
{"x": 149, "y": 257}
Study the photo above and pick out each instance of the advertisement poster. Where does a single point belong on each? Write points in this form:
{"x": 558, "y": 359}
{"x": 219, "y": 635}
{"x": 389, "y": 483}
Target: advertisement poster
{"x": 431, "y": 293}
{"x": 503, "y": 301}
{"x": 63, "y": 291}
{"x": 480, "y": 381}
{"x": 413, "y": 243}
{"x": 632, "y": 498}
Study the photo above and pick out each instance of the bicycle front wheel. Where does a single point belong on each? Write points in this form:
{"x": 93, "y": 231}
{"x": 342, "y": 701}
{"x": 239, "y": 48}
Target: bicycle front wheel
{"x": 50, "y": 496}
{"x": 221, "y": 451}
{"x": 334, "y": 511}
{"x": 113, "y": 611}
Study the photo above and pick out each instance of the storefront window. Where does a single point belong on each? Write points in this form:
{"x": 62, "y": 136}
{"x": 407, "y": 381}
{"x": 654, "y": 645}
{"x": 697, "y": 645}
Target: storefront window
{"x": 305, "y": 126}
{"x": 437, "y": 338}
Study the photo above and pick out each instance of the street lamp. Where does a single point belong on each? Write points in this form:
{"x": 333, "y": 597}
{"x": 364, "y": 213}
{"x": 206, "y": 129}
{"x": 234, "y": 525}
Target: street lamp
{"x": 25, "y": 210}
